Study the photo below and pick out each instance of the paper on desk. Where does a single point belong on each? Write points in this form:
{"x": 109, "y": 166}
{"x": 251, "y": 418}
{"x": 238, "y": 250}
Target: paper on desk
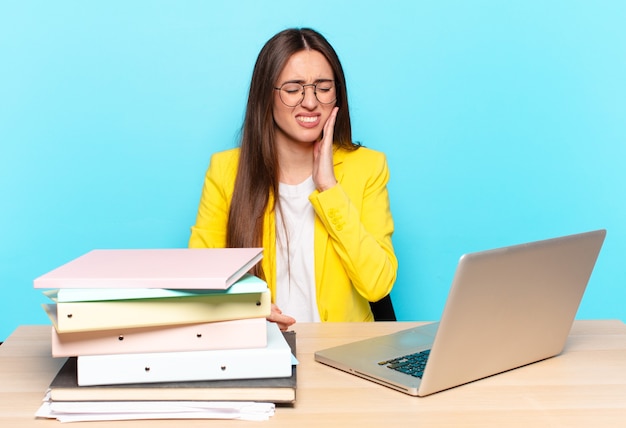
{"x": 126, "y": 410}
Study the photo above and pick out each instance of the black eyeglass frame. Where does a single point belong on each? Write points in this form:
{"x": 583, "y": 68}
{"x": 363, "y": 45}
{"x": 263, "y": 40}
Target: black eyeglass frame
{"x": 314, "y": 85}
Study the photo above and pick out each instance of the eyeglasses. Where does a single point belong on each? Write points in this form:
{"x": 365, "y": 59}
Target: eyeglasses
{"x": 292, "y": 93}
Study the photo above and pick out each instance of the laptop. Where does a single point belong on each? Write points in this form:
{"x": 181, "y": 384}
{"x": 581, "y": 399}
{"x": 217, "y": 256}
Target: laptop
{"x": 506, "y": 308}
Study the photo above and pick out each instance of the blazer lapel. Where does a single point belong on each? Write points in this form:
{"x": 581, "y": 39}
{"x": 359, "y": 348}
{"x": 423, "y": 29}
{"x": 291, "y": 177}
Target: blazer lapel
{"x": 322, "y": 239}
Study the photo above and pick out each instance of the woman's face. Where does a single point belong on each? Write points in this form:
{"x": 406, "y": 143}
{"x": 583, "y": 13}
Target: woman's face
{"x": 303, "y": 124}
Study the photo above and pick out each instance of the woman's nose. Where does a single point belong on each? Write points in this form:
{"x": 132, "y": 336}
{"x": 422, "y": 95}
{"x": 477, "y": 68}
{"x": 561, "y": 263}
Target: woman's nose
{"x": 310, "y": 99}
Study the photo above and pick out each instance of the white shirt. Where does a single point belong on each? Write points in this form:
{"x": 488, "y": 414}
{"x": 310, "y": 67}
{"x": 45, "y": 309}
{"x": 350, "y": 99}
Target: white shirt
{"x": 295, "y": 264}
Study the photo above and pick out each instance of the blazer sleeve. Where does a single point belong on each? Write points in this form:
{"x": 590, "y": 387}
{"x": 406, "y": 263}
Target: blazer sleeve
{"x": 357, "y": 216}
{"x": 209, "y": 231}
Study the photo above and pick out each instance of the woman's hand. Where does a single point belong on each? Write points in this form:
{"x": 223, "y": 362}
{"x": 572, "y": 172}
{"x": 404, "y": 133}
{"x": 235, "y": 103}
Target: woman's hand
{"x": 323, "y": 168}
{"x": 283, "y": 321}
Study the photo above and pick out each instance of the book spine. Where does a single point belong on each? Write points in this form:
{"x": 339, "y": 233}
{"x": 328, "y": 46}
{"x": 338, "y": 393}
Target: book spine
{"x": 108, "y": 315}
{"x": 234, "y": 334}
{"x": 246, "y": 284}
{"x": 272, "y": 361}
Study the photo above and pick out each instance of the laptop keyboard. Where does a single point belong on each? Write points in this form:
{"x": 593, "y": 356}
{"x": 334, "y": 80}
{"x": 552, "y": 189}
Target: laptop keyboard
{"x": 412, "y": 364}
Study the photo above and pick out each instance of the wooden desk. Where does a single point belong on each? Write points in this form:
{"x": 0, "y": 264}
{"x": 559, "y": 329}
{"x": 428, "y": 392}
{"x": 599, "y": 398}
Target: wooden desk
{"x": 585, "y": 386}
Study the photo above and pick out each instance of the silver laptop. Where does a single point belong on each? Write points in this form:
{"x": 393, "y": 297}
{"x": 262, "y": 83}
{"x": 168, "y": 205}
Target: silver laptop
{"x": 506, "y": 308}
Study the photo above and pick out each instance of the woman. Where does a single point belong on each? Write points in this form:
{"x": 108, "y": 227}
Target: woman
{"x": 300, "y": 188}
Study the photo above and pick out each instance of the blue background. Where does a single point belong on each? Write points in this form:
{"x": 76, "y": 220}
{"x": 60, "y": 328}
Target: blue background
{"x": 503, "y": 122}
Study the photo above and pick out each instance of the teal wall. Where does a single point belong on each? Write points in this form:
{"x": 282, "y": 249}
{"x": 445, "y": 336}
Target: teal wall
{"x": 503, "y": 122}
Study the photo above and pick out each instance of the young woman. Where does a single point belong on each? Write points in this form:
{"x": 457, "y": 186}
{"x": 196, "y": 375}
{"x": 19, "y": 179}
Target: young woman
{"x": 299, "y": 187}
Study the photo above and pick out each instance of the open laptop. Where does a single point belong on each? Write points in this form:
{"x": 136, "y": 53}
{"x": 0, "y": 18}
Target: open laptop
{"x": 506, "y": 308}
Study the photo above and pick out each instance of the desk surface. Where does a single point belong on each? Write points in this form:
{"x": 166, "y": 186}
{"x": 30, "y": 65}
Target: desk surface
{"x": 584, "y": 386}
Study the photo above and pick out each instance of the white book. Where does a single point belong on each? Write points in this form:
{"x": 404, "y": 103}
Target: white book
{"x": 272, "y": 361}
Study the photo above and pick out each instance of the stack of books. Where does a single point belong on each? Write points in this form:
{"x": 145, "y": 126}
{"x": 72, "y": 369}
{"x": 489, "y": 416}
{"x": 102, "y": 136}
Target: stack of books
{"x": 167, "y": 325}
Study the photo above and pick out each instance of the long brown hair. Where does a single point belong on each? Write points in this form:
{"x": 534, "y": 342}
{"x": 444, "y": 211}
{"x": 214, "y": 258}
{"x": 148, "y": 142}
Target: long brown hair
{"x": 257, "y": 174}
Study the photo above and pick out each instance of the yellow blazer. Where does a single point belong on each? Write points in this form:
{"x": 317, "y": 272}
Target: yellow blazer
{"x": 354, "y": 258}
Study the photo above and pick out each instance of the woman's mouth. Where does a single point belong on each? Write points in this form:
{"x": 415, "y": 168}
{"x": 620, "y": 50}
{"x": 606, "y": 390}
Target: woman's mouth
{"x": 308, "y": 121}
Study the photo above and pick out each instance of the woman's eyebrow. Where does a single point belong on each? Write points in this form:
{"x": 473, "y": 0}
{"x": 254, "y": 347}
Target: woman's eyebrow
{"x": 303, "y": 82}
